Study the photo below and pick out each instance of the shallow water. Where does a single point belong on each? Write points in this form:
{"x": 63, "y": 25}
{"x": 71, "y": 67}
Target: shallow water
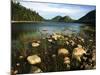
{"x": 24, "y": 34}
{"x": 36, "y": 30}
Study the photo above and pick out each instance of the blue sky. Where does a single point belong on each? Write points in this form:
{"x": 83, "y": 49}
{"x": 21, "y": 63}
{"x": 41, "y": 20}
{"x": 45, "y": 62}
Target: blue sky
{"x": 50, "y": 10}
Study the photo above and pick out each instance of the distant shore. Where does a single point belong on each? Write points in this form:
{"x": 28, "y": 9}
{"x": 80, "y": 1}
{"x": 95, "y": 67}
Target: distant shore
{"x": 25, "y": 21}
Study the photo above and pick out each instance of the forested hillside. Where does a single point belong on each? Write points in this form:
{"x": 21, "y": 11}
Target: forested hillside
{"x": 88, "y": 18}
{"x": 62, "y": 19}
{"x": 20, "y": 13}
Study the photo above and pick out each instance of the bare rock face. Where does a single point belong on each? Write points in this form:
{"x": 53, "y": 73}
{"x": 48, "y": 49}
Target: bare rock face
{"x": 34, "y": 59}
{"x": 63, "y": 51}
{"x": 78, "y": 52}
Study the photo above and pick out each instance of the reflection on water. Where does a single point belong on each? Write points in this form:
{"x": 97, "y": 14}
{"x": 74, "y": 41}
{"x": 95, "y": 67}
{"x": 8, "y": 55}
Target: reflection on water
{"x": 34, "y": 30}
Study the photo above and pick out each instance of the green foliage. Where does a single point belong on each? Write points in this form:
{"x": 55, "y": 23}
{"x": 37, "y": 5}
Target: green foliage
{"x": 56, "y": 18}
{"x": 90, "y": 17}
{"x": 20, "y": 13}
{"x": 62, "y": 19}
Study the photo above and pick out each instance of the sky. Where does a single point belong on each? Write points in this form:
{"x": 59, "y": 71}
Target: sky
{"x": 50, "y": 10}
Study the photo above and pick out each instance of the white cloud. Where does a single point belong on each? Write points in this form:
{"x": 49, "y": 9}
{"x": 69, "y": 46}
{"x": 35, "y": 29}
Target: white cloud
{"x": 84, "y": 2}
{"x": 49, "y": 10}
{"x": 44, "y": 7}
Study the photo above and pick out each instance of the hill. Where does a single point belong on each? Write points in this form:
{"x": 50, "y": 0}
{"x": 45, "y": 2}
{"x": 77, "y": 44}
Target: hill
{"x": 62, "y": 19}
{"x": 88, "y": 18}
{"x": 20, "y": 13}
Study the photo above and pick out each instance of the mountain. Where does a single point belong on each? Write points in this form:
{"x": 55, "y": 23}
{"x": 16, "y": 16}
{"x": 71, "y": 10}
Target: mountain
{"x": 62, "y": 19}
{"x": 88, "y": 18}
{"x": 65, "y": 19}
{"x": 56, "y": 18}
{"x": 20, "y": 13}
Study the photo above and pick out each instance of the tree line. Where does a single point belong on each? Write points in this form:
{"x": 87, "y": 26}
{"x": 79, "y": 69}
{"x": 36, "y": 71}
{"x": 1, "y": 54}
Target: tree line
{"x": 20, "y": 13}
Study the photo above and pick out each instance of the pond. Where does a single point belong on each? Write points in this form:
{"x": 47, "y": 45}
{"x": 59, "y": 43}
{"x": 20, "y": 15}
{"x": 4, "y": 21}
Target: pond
{"x": 54, "y": 44}
{"x": 35, "y": 30}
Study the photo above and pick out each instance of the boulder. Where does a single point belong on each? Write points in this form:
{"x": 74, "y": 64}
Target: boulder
{"x": 35, "y": 69}
{"x": 56, "y": 36}
{"x": 34, "y": 59}
{"x": 66, "y": 60}
{"x": 63, "y": 51}
{"x": 78, "y": 52}
{"x": 34, "y": 44}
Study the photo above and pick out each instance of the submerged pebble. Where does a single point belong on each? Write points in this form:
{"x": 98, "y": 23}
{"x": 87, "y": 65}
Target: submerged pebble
{"x": 53, "y": 55}
{"x": 21, "y": 57}
{"x": 63, "y": 51}
{"x": 16, "y": 71}
{"x": 66, "y": 60}
{"x": 18, "y": 64}
{"x": 56, "y": 36}
{"x": 34, "y": 59}
{"x": 50, "y": 40}
{"x": 35, "y": 69}
{"x": 35, "y": 44}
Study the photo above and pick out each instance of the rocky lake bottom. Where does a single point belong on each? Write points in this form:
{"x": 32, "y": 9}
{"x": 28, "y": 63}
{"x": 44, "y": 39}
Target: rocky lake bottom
{"x": 52, "y": 47}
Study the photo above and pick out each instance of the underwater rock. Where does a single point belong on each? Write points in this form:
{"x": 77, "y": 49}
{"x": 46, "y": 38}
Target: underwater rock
{"x": 21, "y": 57}
{"x": 56, "y": 36}
{"x": 94, "y": 67}
{"x": 34, "y": 59}
{"x": 38, "y": 41}
{"x": 35, "y": 44}
{"x": 67, "y": 42}
{"x": 63, "y": 51}
{"x": 66, "y": 60}
{"x": 68, "y": 67}
{"x": 78, "y": 52}
{"x": 53, "y": 55}
{"x": 93, "y": 57}
{"x": 84, "y": 58}
{"x": 72, "y": 42}
{"x": 16, "y": 71}
{"x": 80, "y": 38}
{"x": 35, "y": 69}
{"x": 50, "y": 40}
{"x": 91, "y": 40}
{"x": 79, "y": 46}
{"x": 66, "y": 38}
{"x": 18, "y": 64}
{"x": 87, "y": 66}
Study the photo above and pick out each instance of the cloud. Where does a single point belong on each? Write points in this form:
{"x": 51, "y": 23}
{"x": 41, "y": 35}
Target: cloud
{"x": 49, "y": 9}
{"x": 45, "y": 7}
{"x": 84, "y": 2}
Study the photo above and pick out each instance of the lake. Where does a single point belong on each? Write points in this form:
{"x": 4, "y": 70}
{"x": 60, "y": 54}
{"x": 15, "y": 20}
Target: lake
{"x": 43, "y": 29}
{"x": 45, "y": 39}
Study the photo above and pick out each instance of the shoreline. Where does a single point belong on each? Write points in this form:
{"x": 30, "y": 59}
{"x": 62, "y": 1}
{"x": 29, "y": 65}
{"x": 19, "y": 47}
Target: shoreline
{"x": 26, "y": 21}
{"x": 45, "y": 21}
